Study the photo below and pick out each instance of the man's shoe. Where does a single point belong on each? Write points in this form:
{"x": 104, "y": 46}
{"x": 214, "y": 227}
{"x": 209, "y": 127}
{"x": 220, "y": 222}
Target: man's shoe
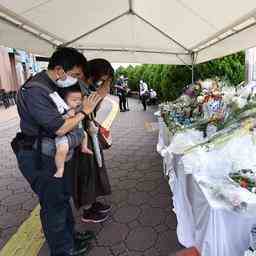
{"x": 80, "y": 244}
{"x": 90, "y": 216}
{"x": 100, "y": 207}
{"x": 85, "y": 236}
{"x": 121, "y": 110}
{"x": 79, "y": 250}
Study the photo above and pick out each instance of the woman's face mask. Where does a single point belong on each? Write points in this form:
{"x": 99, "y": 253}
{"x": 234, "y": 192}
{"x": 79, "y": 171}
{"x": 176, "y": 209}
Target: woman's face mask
{"x": 68, "y": 81}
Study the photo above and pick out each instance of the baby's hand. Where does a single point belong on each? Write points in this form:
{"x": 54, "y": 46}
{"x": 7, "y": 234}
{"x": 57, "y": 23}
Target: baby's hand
{"x": 71, "y": 113}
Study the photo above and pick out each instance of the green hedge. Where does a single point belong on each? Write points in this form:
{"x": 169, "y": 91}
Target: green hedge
{"x": 169, "y": 80}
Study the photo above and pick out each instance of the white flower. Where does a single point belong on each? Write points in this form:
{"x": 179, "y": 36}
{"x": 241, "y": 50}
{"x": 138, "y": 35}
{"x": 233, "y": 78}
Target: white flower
{"x": 250, "y": 253}
{"x": 241, "y": 102}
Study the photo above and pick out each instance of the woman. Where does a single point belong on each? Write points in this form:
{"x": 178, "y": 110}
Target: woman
{"x": 90, "y": 178}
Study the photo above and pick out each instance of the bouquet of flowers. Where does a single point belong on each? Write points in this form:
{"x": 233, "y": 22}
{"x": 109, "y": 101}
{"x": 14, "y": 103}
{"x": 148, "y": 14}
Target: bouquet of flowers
{"x": 246, "y": 178}
{"x": 200, "y": 105}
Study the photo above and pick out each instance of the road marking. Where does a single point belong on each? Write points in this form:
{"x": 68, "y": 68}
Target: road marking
{"x": 29, "y": 238}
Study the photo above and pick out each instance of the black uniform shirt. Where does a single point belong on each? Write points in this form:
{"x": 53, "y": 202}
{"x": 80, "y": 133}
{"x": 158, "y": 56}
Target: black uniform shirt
{"x": 39, "y": 112}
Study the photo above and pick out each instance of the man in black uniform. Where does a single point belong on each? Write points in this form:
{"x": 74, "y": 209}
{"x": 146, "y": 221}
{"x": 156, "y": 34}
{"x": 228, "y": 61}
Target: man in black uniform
{"x": 121, "y": 92}
{"x": 39, "y": 110}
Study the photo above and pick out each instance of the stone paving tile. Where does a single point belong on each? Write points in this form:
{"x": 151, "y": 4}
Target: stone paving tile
{"x": 17, "y": 199}
{"x": 161, "y": 228}
{"x": 127, "y": 214}
{"x": 152, "y": 216}
{"x": 8, "y": 232}
{"x": 100, "y": 251}
{"x": 30, "y": 204}
{"x": 141, "y": 239}
{"x": 112, "y": 234}
{"x": 146, "y": 186}
{"x": 138, "y": 198}
{"x": 134, "y": 224}
{"x": 160, "y": 200}
{"x": 127, "y": 183}
{"x": 171, "y": 220}
{"x": 151, "y": 252}
{"x": 119, "y": 196}
{"x": 119, "y": 249}
{"x": 12, "y": 219}
{"x": 167, "y": 242}
{"x": 5, "y": 193}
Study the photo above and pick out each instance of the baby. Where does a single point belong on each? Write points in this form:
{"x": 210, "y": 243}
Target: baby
{"x": 66, "y": 144}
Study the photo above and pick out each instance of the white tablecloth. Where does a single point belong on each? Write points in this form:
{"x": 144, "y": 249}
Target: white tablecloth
{"x": 204, "y": 221}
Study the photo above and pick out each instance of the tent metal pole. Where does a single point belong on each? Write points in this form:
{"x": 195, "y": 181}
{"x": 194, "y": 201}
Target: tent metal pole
{"x": 228, "y": 28}
{"x": 96, "y": 28}
{"x": 187, "y": 65}
{"x": 192, "y": 73}
{"x": 132, "y": 50}
{"x": 192, "y": 67}
{"x": 130, "y": 6}
{"x": 20, "y": 22}
{"x": 161, "y": 32}
{"x": 21, "y": 27}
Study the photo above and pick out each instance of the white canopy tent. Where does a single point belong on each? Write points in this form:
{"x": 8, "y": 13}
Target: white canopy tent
{"x": 136, "y": 31}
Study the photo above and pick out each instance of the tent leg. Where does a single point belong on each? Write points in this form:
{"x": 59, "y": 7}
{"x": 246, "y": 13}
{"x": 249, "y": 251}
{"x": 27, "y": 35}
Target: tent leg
{"x": 192, "y": 67}
{"x": 192, "y": 73}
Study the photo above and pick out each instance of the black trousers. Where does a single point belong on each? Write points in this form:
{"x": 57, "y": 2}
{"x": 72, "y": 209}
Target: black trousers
{"x": 54, "y": 194}
{"x": 144, "y": 102}
{"x": 122, "y": 102}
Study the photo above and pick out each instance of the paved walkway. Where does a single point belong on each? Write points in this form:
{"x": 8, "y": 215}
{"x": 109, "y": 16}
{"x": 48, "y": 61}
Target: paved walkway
{"x": 141, "y": 221}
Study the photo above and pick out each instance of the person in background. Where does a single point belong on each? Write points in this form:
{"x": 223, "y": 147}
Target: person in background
{"x": 121, "y": 92}
{"x": 144, "y": 94}
{"x": 152, "y": 96}
{"x": 40, "y": 118}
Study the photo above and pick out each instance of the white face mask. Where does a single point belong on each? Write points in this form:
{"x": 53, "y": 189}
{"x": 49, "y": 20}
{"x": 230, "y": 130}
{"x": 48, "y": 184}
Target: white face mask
{"x": 69, "y": 81}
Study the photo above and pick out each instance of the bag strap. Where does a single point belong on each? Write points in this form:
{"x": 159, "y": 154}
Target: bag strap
{"x": 37, "y": 84}
{"x": 24, "y": 105}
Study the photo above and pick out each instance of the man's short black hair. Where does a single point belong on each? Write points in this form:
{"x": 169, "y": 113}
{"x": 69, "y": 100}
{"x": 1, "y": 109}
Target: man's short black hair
{"x": 68, "y": 58}
{"x": 97, "y": 68}
{"x": 63, "y": 92}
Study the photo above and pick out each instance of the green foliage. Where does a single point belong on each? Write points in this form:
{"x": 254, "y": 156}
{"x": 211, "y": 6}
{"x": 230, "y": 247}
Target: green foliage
{"x": 169, "y": 80}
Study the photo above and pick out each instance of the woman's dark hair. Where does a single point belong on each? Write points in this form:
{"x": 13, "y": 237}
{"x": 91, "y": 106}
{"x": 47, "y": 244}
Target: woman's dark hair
{"x": 67, "y": 58}
{"x": 97, "y": 68}
{"x": 63, "y": 92}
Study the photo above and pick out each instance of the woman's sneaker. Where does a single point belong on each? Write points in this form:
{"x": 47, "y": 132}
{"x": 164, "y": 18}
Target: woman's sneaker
{"x": 100, "y": 207}
{"x": 91, "y": 216}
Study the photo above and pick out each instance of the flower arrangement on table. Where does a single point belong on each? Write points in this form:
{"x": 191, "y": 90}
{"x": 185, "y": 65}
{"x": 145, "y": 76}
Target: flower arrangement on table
{"x": 208, "y": 105}
{"x": 200, "y": 105}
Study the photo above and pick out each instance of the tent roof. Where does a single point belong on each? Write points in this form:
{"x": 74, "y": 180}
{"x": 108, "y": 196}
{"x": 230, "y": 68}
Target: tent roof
{"x": 137, "y": 31}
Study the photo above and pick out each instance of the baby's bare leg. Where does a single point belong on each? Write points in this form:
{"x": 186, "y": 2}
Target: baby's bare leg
{"x": 85, "y": 148}
{"x": 60, "y": 157}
